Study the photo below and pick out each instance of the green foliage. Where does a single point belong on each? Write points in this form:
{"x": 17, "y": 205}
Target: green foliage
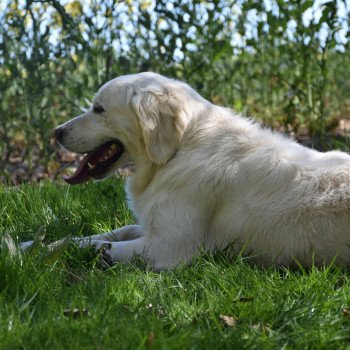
{"x": 285, "y": 62}
{"x": 74, "y": 304}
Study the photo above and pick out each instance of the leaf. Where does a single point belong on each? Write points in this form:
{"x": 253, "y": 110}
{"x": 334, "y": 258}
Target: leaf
{"x": 263, "y": 328}
{"x": 56, "y": 249}
{"x": 8, "y": 244}
{"x": 306, "y": 5}
{"x": 228, "y": 321}
{"x": 38, "y": 241}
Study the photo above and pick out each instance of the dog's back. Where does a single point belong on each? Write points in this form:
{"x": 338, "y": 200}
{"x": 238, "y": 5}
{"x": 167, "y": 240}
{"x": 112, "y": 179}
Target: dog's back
{"x": 274, "y": 198}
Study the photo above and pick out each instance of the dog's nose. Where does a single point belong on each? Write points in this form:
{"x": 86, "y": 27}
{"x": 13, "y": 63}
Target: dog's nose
{"x": 58, "y": 133}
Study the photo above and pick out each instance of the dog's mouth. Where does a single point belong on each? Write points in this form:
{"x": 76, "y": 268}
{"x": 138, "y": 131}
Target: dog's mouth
{"x": 96, "y": 163}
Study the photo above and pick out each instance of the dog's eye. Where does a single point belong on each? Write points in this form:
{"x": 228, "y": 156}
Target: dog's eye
{"x": 98, "y": 109}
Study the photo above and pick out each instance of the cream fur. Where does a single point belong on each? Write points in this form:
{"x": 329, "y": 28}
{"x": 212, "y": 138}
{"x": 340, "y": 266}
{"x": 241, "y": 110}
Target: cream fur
{"x": 206, "y": 177}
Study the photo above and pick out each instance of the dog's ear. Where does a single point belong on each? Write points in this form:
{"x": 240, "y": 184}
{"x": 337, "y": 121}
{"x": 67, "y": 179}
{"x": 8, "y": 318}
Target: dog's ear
{"x": 161, "y": 121}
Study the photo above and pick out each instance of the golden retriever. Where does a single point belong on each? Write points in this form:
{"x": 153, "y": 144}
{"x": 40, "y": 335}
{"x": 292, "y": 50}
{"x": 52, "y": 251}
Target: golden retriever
{"x": 206, "y": 177}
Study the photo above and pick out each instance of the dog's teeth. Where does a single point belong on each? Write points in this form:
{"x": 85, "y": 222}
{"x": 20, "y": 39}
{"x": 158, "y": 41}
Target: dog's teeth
{"x": 91, "y": 166}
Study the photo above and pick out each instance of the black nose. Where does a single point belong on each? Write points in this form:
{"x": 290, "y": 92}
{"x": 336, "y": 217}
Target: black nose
{"x": 59, "y": 132}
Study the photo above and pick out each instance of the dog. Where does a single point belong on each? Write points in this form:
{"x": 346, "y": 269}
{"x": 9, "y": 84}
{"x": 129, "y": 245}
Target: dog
{"x": 205, "y": 177}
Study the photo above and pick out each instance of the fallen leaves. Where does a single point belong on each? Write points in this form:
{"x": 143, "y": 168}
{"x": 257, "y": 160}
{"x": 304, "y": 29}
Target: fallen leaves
{"x": 17, "y": 169}
{"x": 346, "y": 312}
{"x": 263, "y": 328}
{"x": 53, "y": 166}
{"x": 231, "y": 322}
{"x": 76, "y": 314}
{"x": 228, "y": 321}
{"x": 49, "y": 254}
{"x": 8, "y": 245}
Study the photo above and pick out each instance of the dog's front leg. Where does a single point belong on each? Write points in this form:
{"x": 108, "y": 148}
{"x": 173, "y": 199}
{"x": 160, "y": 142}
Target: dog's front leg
{"x": 159, "y": 252}
{"x": 126, "y": 233}
{"x": 165, "y": 241}
{"x": 167, "y": 238}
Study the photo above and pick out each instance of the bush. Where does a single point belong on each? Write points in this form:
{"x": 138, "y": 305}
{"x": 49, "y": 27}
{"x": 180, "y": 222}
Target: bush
{"x": 285, "y": 62}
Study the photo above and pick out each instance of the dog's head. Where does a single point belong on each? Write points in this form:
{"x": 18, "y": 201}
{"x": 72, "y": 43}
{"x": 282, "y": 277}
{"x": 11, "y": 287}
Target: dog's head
{"x": 133, "y": 117}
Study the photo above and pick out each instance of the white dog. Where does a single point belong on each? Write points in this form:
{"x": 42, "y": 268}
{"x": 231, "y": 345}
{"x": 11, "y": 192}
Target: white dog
{"x": 206, "y": 177}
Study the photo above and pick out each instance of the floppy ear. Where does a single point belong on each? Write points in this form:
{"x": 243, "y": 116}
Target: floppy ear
{"x": 161, "y": 123}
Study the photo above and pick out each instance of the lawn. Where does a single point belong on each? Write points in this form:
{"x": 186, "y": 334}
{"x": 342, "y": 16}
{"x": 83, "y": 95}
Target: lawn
{"x": 71, "y": 302}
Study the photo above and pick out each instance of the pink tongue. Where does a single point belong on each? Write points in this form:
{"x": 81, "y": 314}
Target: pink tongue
{"x": 82, "y": 173}
{"x": 98, "y": 160}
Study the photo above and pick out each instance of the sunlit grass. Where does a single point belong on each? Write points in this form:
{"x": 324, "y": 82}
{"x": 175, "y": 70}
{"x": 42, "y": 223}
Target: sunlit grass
{"x": 129, "y": 307}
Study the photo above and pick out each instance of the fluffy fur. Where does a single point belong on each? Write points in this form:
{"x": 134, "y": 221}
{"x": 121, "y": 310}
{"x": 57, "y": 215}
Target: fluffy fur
{"x": 206, "y": 177}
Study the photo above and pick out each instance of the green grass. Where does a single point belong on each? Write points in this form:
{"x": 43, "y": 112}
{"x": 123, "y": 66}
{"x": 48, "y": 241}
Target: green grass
{"x": 129, "y": 307}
